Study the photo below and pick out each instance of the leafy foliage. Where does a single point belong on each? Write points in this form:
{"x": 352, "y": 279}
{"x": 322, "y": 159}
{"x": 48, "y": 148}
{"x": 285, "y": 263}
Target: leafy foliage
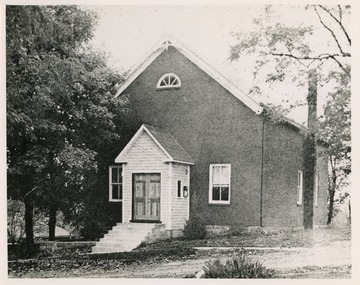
{"x": 236, "y": 267}
{"x": 281, "y": 46}
{"x": 194, "y": 228}
{"x": 287, "y": 52}
{"x": 63, "y": 122}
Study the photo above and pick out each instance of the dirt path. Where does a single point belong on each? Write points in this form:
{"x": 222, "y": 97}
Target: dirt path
{"x": 324, "y": 253}
{"x": 285, "y": 262}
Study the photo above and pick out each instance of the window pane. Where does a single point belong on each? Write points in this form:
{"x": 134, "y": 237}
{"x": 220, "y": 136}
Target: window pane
{"x": 115, "y": 192}
{"x": 224, "y": 192}
{"x": 174, "y": 81}
{"x": 216, "y": 175}
{"x": 225, "y": 177}
{"x": 114, "y": 174}
{"x": 216, "y": 193}
{"x": 299, "y": 195}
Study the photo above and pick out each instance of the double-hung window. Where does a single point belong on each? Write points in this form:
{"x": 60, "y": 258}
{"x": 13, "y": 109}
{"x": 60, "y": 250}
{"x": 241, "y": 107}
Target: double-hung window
{"x": 115, "y": 184}
{"x": 219, "y": 184}
{"x": 299, "y": 187}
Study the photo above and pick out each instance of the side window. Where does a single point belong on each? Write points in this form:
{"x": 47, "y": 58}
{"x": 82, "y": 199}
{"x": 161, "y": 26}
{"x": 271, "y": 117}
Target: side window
{"x": 115, "y": 183}
{"x": 179, "y": 189}
{"x": 168, "y": 80}
{"x": 299, "y": 187}
{"x": 219, "y": 183}
{"x": 316, "y": 190}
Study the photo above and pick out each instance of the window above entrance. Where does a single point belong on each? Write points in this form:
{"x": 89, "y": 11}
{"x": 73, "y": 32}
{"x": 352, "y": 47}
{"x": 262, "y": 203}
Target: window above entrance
{"x": 168, "y": 80}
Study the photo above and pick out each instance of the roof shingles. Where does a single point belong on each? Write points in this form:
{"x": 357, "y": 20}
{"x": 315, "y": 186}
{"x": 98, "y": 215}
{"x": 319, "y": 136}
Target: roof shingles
{"x": 169, "y": 143}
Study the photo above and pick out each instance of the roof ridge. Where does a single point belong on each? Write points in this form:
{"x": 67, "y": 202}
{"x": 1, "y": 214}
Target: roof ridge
{"x": 218, "y": 72}
{"x": 162, "y": 45}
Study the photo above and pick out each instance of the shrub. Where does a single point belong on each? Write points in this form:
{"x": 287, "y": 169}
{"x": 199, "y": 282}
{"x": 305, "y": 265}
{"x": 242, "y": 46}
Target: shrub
{"x": 236, "y": 267}
{"x": 194, "y": 228}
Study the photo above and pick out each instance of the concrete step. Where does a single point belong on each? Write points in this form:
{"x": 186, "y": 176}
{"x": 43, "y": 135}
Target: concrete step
{"x": 120, "y": 239}
{"x": 125, "y": 237}
{"x": 109, "y": 250}
{"x": 118, "y": 246}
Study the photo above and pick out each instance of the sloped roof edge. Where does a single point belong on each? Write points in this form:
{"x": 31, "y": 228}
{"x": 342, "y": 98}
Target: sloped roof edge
{"x": 184, "y": 157}
{"x": 162, "y": 45}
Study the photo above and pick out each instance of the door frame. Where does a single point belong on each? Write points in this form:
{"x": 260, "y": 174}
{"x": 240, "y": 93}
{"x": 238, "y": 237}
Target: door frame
{"x": 133, "y": 198}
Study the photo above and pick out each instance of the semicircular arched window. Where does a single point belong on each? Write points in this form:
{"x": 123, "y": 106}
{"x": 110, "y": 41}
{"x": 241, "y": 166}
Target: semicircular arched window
{"x": 168, "y": 80}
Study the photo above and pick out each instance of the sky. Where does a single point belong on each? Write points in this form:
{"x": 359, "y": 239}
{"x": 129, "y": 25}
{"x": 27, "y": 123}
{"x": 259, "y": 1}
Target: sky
{"x": 128, "y": 32}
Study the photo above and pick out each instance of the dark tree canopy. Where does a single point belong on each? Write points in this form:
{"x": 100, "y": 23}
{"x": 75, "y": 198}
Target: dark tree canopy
{"x": 63, "y": 121}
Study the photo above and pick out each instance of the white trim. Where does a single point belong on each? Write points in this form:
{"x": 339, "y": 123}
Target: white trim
{"x": 316, "y": 190}
{"x": 170, "y": 194}
{"x": 120, "y": 157}
{"x": 110, "y": 183}
{"x": 132, "y": 142}
{"x": 170, "y": 86}
{"x": 211, "y": 201}
{"x": 159, "y": 145}
{"x": 179, "y": 161}
{"x": 188, "y": 196}
{"x": 299, "y": 188}
{"x": 147, "y": 60}
{"x": 138, "y": 68}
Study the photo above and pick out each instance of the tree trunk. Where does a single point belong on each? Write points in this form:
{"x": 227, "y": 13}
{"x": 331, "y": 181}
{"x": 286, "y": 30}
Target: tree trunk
{"x": 29, "y": 227}
{"x": 52, "y": 221}
{"x": 310, "y": 153}
{"x": 331, "y": 197}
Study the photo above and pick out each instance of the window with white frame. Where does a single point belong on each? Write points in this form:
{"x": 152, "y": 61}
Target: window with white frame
{"x": 299, "y": 187}
{"x": 219, "y": 192}
{"x": 316, "y": 190}
{"x": 115, "y": 183}
{"x": 168, "y": 80}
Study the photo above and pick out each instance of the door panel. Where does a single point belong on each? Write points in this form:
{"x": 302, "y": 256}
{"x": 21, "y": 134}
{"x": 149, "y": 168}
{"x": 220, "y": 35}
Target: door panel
{"x": 147, "y": 188}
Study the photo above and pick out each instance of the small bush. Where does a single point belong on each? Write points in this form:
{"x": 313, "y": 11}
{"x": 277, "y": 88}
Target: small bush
{"x": 236, "y": 267}
{"x": 194, "y": 228}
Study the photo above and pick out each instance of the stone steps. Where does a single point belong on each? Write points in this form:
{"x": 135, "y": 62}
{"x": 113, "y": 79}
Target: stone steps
{"x": 126, "y": 237}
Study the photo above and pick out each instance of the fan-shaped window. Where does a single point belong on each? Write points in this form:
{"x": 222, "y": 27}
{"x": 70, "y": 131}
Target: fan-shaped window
{"x": 168, "y": 80}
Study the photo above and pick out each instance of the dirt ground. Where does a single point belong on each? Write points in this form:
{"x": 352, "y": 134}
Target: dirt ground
{"x": 321, "y": 253}
{"x": 319, "y": 262}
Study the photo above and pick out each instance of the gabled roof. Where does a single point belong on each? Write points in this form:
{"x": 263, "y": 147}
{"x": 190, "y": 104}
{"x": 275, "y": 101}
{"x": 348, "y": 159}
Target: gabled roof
{"x": 166, "y": 142}
{"x": 167, "y": 41}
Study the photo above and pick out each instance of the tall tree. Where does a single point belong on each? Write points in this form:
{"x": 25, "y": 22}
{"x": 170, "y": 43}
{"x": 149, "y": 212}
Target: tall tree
{"x": 287, "y": 51}
{"x": 61, "y": 114}
{"x": 335, "y": 131}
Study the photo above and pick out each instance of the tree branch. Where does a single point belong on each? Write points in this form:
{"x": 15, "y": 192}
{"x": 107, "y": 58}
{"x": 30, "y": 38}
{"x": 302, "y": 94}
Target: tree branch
{"x": 340, "y": 12}
{"x": 320, "y": 57}
{"x": 331, "y": 31}
{"x": 337, "y": 21}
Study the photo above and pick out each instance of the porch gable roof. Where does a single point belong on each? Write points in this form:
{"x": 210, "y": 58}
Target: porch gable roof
{"x": 166, "y": 142}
